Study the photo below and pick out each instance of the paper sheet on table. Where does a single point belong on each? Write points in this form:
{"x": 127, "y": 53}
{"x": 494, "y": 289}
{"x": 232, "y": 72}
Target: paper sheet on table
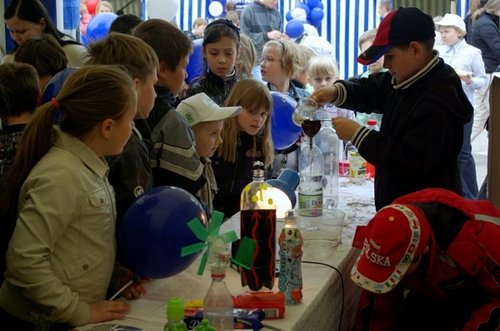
{"x": 186, "y": 285}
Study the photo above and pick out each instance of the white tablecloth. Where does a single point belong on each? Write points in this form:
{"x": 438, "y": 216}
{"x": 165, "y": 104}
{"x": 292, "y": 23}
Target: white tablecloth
{"x": 322, "y": 292}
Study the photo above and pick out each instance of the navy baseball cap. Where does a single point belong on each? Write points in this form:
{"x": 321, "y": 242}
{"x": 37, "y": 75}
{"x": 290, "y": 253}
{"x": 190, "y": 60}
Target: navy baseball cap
{"x": 399, "y": 27}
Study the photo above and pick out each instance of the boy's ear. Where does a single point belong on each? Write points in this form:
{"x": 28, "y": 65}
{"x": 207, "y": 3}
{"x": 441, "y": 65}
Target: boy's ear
{"x": 162, "y": 70}
{"x": 416, "y": 48}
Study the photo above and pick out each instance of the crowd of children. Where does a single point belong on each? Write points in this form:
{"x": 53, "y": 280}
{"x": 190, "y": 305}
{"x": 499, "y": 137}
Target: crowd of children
{"x": 123, "y": 122}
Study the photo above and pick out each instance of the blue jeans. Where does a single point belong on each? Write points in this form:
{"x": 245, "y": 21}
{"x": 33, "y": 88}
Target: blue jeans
{"x": 467, "y": 166}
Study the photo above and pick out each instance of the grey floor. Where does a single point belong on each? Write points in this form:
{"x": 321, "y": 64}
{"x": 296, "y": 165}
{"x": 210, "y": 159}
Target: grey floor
{"x": 480, "y": 153}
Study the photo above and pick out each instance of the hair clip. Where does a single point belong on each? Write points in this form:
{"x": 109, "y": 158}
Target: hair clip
{"x": 55, "y": 103}
{"x": 56, "y": 117}
{"x": 226, "y": 22}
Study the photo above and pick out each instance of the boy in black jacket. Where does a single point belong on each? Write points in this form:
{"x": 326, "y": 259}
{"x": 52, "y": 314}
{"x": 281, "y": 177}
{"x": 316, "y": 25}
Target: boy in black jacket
{"x": 423, "y": 104}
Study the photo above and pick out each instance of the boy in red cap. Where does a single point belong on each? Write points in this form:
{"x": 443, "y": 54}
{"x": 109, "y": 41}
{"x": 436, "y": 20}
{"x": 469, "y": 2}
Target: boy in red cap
{"x": 430, "y": 261}
{"x": 423, "y": 104}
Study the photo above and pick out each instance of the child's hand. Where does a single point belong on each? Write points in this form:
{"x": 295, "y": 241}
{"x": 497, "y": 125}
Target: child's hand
{"x": 345, "y": 127}
{"x": 325, "y": 94}
{"x": 108, "y": 310}
{"x": 135, "y": 290}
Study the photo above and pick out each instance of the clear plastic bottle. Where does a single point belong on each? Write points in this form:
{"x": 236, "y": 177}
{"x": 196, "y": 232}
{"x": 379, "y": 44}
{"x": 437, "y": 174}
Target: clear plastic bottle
{"x": 290, "y": 242}
{"x": 329, "y": 145}
{"x": 258, "y": 222}
{"x": 175, "y": 315}
{"x": 218, "y": 302}
{"x": 311, "y": 166}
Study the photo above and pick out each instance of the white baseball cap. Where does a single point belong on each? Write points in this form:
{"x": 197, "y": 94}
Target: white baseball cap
{"x": 200, "y": 108}
{"x": 454, "y": 21}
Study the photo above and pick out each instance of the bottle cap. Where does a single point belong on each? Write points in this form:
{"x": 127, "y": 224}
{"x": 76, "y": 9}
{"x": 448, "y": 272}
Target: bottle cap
{"x": 175, "y": 309}
{"x": 258, "y": 169}
{"x": 290, "y": 217}
{"x": 371, "y": 122}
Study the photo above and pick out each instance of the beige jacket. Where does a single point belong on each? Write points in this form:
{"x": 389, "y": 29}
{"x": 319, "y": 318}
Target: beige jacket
{"x": 62, "y": 252}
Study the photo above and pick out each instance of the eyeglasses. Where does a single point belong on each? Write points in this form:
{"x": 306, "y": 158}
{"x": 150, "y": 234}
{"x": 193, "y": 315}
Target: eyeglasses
{"x": 268, "y": 59}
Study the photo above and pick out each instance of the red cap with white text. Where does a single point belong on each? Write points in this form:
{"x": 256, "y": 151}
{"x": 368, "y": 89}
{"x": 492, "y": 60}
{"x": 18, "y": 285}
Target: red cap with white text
{"x": 394, "y": 237}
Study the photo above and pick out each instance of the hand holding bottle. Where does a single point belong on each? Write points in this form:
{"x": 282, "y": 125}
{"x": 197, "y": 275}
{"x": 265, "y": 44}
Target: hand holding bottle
{"x": 345, "y": 127}
{"x": 325, "y": 94}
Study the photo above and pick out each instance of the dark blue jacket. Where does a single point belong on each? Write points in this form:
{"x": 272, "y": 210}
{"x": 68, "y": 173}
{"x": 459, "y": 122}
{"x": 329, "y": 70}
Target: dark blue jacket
{"x": 486, "y": 36}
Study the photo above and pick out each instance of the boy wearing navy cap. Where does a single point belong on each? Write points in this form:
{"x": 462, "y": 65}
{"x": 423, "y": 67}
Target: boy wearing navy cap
{"x": 423, "y": 104}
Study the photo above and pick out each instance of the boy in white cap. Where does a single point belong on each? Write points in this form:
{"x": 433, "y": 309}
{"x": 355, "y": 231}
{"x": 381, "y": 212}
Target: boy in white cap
{"x": 206, "y": 118}
{"x": 430, "y": 261}
{"x": 423, "y": 104}
{"x": 469, "y": 65}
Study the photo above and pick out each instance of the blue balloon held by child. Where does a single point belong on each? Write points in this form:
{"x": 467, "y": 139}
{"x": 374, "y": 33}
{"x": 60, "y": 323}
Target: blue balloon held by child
{"x": 98, "y": 27}
{"x": 154, "y": 230}
{"x": 284, "y": 131}
{"x": 196, "y": 66}
{"x": 294, "y": 28}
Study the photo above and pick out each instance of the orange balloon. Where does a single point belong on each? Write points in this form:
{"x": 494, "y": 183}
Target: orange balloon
{"x": 91, "y": 5}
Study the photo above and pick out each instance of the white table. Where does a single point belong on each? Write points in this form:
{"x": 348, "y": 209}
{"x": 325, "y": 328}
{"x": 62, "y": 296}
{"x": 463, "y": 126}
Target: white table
{"x": 322, "y": 291}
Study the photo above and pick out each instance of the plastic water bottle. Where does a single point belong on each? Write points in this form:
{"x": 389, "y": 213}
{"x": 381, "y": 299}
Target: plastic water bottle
{"x": 258, "y": 222}
{"x": 218, "y": 302}
{"x": 329, "y": 145}
{"x": 311, "y": 166}
{"x": 290, "y": 253}
{"x": 175, "y": 315}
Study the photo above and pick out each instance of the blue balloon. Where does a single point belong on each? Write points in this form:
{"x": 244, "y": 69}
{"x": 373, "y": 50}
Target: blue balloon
{"x": 84, "y": 40}
{"x": 55, "y": 84}
{"x": 98, "y": 27}
{"x": 284, "y": 131}
{"x": 294, "y": 28}
{"x": 312, "y": 3}
{"x": 154, "y": 230}
{"x": 316, "y": 16}
{"x": 196, "y": 66}
{"x": 289, "y": 16}
{"x": 320, "y": 5}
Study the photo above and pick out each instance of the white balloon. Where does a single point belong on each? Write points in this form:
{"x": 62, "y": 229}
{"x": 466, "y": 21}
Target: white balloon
{"x": 164, "y": 9}
{"x": 215, "y": 8}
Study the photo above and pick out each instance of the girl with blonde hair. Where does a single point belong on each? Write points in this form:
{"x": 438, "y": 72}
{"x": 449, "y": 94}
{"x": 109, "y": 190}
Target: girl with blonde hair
{"x": 245, "y": 138}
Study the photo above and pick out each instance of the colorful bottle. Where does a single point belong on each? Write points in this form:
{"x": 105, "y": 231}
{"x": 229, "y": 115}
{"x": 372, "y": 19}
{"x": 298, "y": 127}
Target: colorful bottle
{"x": 311, "y": 165}
{"x": 258, "y": 222}
{"x": 357, "y": 167}
{"x": 218, "y": 302}
{"x": 290, "y": 242}
{"x": 175, "y": 315}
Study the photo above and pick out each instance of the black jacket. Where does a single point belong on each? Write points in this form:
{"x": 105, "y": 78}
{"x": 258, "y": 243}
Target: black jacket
{"x": 212, "y": 85}
{"x": 233, "y": 177}
{"x": 421, "y": 134}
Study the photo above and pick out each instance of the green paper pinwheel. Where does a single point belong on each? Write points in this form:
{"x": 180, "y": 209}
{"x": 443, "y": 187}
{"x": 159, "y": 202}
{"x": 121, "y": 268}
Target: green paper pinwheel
{"x": 244, "y": 254}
